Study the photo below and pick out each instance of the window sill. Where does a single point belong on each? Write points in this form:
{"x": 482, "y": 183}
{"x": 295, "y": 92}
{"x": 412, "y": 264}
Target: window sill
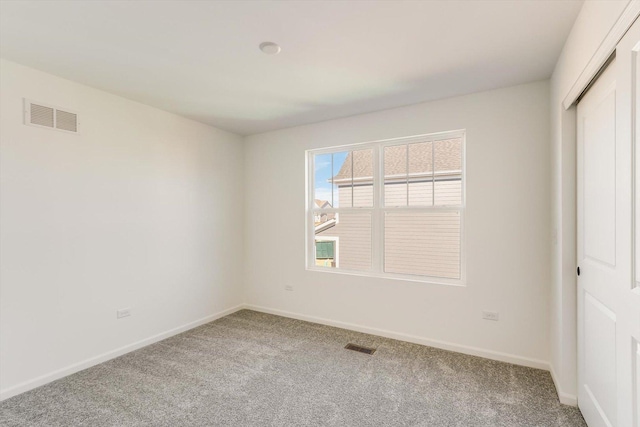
{"x": 390, "y": 276}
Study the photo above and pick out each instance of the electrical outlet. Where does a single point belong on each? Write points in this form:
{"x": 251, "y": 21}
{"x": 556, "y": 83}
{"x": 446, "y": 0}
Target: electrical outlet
{"x": 288, "y": 288}
{"x": 123, "y": 312}
{"x": 491, "y": 315}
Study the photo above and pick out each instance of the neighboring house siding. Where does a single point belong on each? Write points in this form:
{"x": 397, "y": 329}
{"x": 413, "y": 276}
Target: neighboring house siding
{"x": 410, "y": 239}
{"x": 354, "y": 245}
{"x": 396, "y": 194}
{"x": 448, "y": 192}
{"x": 362, "y": 196}
{"x": 420, "y": 194}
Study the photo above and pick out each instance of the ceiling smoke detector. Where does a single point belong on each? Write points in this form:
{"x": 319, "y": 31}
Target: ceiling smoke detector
{"x": 270, "y": 48}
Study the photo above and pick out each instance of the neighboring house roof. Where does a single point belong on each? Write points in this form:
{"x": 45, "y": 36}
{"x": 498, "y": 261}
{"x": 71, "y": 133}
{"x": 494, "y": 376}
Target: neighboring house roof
{"x": 322, "y": 203}
{"x": 447, "y": 158}
{"x": 319, "y": 228}
{"x": 324, "y": 220}
{"x": 362, "y": 161}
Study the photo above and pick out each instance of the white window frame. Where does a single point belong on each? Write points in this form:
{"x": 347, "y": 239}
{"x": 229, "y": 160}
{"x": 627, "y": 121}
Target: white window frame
{"x": 378, "y": 210}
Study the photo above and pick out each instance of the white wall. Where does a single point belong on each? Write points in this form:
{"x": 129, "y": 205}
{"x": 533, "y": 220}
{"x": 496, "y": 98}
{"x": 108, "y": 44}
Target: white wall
{"x": 143, "y": 209}
{"x": 591, "y": 27}
{"x": 507, "y": 229}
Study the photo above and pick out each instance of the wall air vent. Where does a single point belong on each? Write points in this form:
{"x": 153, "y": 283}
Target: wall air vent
{"x": 66, "y": 121}
{"x": 42, "y": 115}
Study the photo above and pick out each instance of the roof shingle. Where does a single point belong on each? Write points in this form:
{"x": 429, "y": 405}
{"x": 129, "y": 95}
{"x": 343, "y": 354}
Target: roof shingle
{"x": 448, "y": 157}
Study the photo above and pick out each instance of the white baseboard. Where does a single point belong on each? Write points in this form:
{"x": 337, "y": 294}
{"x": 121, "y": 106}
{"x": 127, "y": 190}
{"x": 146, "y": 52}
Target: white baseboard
{"x": 474, "y": 351}
{"x": 565, "y": 398}
{"x": 76, "y": 367}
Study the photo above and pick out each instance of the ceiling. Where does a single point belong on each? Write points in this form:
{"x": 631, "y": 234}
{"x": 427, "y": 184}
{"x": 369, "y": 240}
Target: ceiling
{"x": 200, "y": 59}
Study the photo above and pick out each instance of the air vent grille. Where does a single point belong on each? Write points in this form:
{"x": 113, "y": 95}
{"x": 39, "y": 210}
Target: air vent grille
{"x": 359, "y": 348}
{"x": 41, "y": 115}
{"x": 66, "y": 121}
{"x": 38, "y": 114}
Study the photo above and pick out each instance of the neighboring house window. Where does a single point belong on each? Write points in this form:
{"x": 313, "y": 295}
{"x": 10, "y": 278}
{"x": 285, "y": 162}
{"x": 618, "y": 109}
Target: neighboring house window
{"x": 324, "y": 250}
{"x": 389, "y": 208}
{"x": 327, "y": 254}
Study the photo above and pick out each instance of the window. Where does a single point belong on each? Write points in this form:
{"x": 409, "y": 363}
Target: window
{"x": 389, "y": 208}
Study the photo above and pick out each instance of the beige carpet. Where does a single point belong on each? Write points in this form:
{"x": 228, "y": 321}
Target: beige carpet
{"x": 254, "y": 369}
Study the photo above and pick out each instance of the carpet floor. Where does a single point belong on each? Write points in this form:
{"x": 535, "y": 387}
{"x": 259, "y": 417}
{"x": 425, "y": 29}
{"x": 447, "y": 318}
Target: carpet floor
{"x": 255, "y": 369}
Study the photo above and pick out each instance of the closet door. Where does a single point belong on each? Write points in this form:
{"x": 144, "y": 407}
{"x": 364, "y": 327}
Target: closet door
{"x": 608, "y": 288}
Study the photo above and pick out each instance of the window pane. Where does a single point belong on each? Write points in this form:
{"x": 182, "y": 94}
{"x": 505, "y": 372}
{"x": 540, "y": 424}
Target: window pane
{"x": 342, "y": 179}
{"x": 363, "y": 178}
{"x": 351, "y": 233}
{"x": 395, "y": 175}
{"x": 422, "y": 243}
{"x": 322, "y": 193}
{"x": 421, "y": 174}
{"x": 448, "y": 171}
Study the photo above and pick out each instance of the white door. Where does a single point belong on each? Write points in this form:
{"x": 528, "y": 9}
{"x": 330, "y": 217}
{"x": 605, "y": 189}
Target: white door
{"x": 608, "y": 288}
